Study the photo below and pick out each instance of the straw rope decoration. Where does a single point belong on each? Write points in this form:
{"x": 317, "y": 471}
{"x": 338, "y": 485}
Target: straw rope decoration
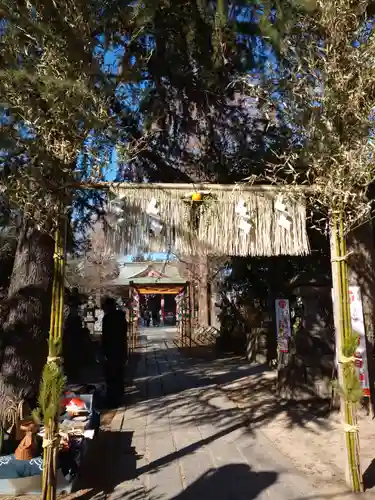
{"x": 134, "y": 232}
{"x": 266, "y": 236}
{"x": 219, "y": 232}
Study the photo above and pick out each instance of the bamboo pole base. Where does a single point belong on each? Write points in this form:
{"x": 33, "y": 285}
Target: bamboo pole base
{"x": 343, "y": 329}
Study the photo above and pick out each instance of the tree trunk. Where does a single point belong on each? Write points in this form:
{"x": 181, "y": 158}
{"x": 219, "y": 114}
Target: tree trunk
{"x": 7, "y": 253}
{"x": 214, "y": 305}
{"x": 203, "y": 291}
{"x": 362, "y": 273}
{"x": 24, "y": 343}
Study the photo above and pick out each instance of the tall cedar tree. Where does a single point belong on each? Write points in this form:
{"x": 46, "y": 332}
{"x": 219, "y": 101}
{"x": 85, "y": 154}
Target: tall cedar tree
{"x": 62, "y": 102}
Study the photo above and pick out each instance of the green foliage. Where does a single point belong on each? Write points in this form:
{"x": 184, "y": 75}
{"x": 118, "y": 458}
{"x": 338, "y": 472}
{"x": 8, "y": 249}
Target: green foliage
{"x": 327, "y": 83}
{"x": 57, "y": 99}
{"x": 350, "y": 345}
{"x": 52, "y": 385}
{"x": 200, "y": 124}
{"x": 172, "y": 104}
{"x": 51, "y": 388}
{"x": 352, "y": 392}
{"x": 57, "y": 89}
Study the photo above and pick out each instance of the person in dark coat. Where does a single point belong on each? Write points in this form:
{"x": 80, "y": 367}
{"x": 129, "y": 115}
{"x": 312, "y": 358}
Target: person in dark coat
{"x": 75, "y": 350}
{"x": 114, "y": 349}
{"x": 155, "y": 318}
{"x": 148, "y": 318}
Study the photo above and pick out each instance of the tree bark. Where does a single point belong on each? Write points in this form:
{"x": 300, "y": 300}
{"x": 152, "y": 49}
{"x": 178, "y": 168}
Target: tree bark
{"x": 362, "y": 273}
{"x": 203, "y": 291}
{"x": 24, "y": 336}
{"x": 7, "y": 254}
{"x": 214, "y": 305}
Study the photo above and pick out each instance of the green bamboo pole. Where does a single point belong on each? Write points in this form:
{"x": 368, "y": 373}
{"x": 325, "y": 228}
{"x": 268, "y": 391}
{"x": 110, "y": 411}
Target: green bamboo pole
{"x": 181, "y": 312}
{"x": 131, "y": 318}
{"x": 346, "y": 360}
{"x": 191, "y": 306}
{"x": 53, "y": 379}
{"x": 185, "y": 315}
{"x": 53, "y": 318}
{"x": 352, "y": 437}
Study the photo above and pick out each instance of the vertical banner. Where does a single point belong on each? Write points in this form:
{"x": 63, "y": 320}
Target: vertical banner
{"x": 98, "y": 321}
{"x": 136, "y": 305}
{"x": 358, "y": 326}
{"x": 162, "y": 309}
{"x": 283, "y": 327}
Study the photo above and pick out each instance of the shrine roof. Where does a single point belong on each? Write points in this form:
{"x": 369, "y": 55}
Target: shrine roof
{"x": 150, "y": 273}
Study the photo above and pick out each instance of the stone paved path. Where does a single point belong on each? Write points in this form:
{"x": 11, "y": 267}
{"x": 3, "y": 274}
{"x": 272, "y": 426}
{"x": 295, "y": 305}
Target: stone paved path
{"x": 182, "y": 439}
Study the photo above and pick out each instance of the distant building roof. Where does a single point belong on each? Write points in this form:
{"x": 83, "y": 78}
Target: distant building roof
{"x": 150, "y": 273}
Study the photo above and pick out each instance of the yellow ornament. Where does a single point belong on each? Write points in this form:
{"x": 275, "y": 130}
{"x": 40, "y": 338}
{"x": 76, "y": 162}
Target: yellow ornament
{"x": 196, "y": 197}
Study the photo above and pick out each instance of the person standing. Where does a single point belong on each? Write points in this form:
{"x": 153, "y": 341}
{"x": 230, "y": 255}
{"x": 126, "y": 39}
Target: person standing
{"x": 155, "y": 318}
{"x": 72, "y": 341}
{"x": 115, "y": 350}
{"x": 161, "y": 319}
{"x": 148, "y": 318}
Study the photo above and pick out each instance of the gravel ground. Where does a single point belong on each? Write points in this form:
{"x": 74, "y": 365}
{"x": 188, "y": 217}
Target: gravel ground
{"x": 309, "y": 433}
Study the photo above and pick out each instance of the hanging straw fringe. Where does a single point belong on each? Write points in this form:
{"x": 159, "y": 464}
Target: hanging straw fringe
{"x": 218, "y": 232}
{"x": 134, "y": 233}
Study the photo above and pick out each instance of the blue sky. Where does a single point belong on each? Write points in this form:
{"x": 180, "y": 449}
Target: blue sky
{"x": 154, "y": 256}
{"x": 111, "y": 171}
{"x": 111, "y": 58}
{"x": 110, "y": 64}
{"x": 110, "y": 175}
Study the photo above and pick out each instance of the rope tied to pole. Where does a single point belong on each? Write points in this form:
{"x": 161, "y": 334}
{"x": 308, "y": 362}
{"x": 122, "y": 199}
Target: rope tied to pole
{"x": 345, "y": 360}
{"x": 350, "y": 428}
{"x": 54, "y": 359}
{"x": 342, "y": 258}
{"x": 49, "y": 443}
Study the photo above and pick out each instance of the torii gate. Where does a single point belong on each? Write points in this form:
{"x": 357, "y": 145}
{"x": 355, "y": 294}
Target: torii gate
{"x": 206, "y": 220}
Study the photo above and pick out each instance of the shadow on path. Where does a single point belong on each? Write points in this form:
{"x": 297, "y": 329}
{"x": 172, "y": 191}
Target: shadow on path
{"x": 166, "y": 459}
{"x": 110, "y": 461}
{"x": 187, "y": 385}
{"x": 185, "y": 394}
{"x": 233, "y": 481}
{"x": 229, "y": 482}
{"x": 369, "y": 476}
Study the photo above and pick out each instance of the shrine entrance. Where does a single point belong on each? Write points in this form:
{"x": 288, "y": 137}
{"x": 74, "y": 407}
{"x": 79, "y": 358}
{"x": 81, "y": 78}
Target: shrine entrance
{"x": 160, "y": 307}
{"x": 156, "y": 288}
{"x": 203, "y": 222}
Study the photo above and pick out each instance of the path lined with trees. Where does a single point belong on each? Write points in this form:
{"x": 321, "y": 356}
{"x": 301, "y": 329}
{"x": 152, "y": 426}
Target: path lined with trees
{"x": 183, "y": 92}
{"x": 180, "y": 437}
